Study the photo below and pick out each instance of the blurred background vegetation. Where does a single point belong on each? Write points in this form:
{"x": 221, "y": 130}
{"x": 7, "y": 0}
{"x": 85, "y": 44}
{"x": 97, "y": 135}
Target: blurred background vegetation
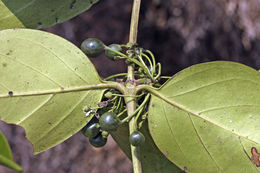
{"x": 179, "y": 32}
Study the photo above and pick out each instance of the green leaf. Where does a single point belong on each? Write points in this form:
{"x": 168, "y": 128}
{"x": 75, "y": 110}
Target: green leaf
{"x": 37, "y": 14}
{"x": 153, "y": 161}
{"x": 210, "y": 118}
{"x": 6, "y": 154}
{"x": 5, "y": 150}
{"x": 43, "y": 85}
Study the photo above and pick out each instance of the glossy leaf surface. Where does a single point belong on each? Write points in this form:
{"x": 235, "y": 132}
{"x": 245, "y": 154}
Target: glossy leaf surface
{"x": 38, "y": 14}
{"x": 211, "y": 119}
{"x": 42, "y": 85}
{"x": 153, "y": 161}
{"x": 6, "y": 158}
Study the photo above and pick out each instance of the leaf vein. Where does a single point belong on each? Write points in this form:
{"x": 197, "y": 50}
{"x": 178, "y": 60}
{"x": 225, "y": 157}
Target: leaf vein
{"x": 174, "y": 82}
{"x": 174, "y": 137}
{"x": 202, "y": 143}
{"x": 229, "y": 106}
{"x": 62, "y": 118}
{"x": 4, "y": 87}
{"x": 18, "y": 10}
{"x": 28, "y": 66}
{"x": 249, "y": 159}
{"x": 71, "y": 69}
{"x": 36, "y": 109}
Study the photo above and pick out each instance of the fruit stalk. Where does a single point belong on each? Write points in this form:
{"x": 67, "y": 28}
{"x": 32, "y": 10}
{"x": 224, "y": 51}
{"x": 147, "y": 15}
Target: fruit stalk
{"x": 131, "y": 101}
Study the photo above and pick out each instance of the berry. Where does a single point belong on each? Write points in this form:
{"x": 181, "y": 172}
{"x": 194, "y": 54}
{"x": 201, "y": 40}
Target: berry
{"x": 105, "y": 134}
{"x": 109, "y": 121}
{"x": 109, "y": 95}
{"x": 136, "y": 138}
{"x": 98, "y": 141}
{"x": 91, "y": 130}
{"x": 92, "y": 47}
{"x": 112, "y": 55}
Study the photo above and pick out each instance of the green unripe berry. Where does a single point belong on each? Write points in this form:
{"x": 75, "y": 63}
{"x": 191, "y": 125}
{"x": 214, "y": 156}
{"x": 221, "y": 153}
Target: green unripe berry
{"x": 91, "y": 130}
{"x": 109, "y": 95}
{"x": 92, "y": 47}
{"x": 105, "y": 134}
{"x": 112, "y": 55}
{"x": 109, "y": 121}
{"x": 136, "y": 138}
{"x": 98, "y": 141}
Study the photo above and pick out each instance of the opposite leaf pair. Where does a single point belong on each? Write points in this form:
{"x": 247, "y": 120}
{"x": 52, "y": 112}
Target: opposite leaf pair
{"x": 204, "y": 119}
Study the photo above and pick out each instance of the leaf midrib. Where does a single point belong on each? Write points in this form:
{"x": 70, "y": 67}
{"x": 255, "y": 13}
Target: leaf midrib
{"x": 57, "y": 91}
{"x": 210, "y": 84}
{"x": 191, "y": 113}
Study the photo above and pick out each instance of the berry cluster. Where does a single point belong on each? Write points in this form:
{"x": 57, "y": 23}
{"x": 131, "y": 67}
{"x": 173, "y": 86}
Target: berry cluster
{"x": 97, "y": 130}
{"x": 111, "y": 109}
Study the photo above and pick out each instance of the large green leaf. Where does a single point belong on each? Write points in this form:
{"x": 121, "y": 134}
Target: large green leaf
{"x": 210, "y": 119}
{"x": 6, "y": 154}
{"x": 39, "y": 13}
{"x": 42, "y": 85}
{"x": 153, "y": 161}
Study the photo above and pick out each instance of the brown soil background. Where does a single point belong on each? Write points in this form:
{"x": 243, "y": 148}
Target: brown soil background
{"x": 179, "y": 32}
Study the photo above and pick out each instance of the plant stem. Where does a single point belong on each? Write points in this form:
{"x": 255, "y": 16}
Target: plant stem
{"x": 135, "y": 151}
{"x": 131, "y": 101}
{"x": 134, "y": 21}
